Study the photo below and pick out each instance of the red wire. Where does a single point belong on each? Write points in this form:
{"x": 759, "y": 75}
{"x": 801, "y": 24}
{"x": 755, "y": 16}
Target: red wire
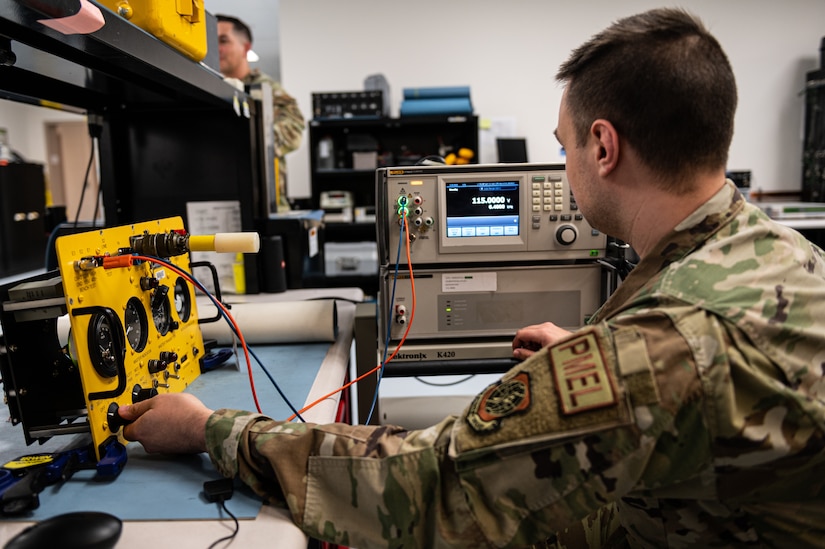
{"x": 229, "y": 316}
{"x": 246, "y": 349}
{"x": 395, "y": 351}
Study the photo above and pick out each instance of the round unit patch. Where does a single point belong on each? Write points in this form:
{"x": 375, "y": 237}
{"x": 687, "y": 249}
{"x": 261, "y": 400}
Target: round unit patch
{"x": 498, "y": 401}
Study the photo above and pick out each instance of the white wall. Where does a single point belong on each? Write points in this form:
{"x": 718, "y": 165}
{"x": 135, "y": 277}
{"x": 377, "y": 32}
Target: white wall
{"x": 26, "y": 127}
{"x": 508, "y": 53}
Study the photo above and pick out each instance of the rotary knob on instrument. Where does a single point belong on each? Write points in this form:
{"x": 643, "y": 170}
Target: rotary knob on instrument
{"x": 113, "y": 418}
{"x": 566, "y": 234}
{"x": 139, "y": 393}
{"x": 155, "y": 366}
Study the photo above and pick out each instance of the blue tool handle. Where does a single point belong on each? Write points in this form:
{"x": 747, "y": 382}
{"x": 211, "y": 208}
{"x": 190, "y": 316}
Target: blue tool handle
{"x": 22, "y": 495}
{"x": 113, "y": 460}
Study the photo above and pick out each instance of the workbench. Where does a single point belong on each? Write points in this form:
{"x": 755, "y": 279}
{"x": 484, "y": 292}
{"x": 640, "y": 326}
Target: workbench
{"x": 151, "y": 487}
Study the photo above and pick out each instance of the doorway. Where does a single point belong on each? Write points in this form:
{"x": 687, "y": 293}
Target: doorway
{"x": 68, "y": 150}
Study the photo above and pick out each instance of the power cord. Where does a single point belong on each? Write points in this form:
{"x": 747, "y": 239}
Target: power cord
{"x": 218, "y": 491}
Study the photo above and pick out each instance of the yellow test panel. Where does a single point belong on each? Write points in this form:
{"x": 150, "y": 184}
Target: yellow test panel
{"x": 134, "y": 329}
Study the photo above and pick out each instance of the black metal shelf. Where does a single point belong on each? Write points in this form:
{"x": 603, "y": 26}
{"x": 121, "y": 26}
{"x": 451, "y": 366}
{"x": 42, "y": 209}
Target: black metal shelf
{"x": 170, "y": 130}
{"x": 396, "y": 142}
{"x": 424, "y": 120}
{"x": 399, "y": 141}
{"x": 321, "y": 174}
{"x": 120, "y": 62}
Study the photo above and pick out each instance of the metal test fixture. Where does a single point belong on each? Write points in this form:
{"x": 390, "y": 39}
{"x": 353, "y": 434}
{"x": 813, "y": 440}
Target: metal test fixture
{"x": 493, "y": 248}
{"x": 133, "y": 331}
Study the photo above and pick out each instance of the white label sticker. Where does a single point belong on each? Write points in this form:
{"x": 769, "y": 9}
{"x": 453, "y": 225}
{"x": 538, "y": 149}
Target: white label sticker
{"x": 208, "y": 218}
{"x": 469, "y": 282}
{"x": 312, "y": 234}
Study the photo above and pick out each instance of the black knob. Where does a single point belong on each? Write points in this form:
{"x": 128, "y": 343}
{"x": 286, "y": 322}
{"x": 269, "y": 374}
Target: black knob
{"x": 156, "y": 366}
{"x": 566, "y": 234}
{"x": 139, "y": 393}
{"x": 168, "y": 356}
{"x": 114, "y": 419}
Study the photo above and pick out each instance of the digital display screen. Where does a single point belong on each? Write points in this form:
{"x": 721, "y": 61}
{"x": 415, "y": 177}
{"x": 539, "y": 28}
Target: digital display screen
{"x": 482, "y": 209}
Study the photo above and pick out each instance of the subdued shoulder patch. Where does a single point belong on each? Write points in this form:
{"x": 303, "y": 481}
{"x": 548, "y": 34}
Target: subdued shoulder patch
{"x": 501, "y": 399}
{"x": 583, "y": 380}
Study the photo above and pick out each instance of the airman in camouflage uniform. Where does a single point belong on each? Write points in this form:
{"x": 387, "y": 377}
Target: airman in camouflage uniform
{"x": 234, "y": 42}
{"x": 289, "y": 121}
{"x": 695, "y": 402}
{"x": 288, "y": 127}
{"x": 690, "y": 412}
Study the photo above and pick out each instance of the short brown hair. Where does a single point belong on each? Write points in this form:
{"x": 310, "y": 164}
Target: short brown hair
{"x": 665, "y": 84}
{"x": 237, "y": 25}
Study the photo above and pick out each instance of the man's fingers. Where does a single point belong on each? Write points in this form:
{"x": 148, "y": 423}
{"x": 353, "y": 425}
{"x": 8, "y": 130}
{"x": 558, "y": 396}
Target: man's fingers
{"x": 522, "y": 353}
{"x": 133, "y": 411}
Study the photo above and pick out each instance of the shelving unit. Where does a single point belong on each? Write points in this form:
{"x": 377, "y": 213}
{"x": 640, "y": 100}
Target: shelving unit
{"x": 22, "y": 238}
{"x": 170, "y": 129}
{"x": 395, "y": 142}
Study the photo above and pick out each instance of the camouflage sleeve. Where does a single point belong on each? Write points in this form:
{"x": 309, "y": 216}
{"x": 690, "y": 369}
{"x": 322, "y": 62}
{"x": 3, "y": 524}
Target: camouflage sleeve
{"x": 556, "y": 439}
{"x": 360, "y": 486}
{"x": 589, "y": 431}
{"x": 289, "y": 121}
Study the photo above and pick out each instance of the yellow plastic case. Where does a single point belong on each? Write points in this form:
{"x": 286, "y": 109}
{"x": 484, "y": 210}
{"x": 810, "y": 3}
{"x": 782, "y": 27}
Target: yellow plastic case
{"x": 179, "y": 23}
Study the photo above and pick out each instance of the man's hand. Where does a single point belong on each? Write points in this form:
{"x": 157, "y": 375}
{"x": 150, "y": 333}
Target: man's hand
{"x": 173, "y": 423}
{"x": 533, "y": 338}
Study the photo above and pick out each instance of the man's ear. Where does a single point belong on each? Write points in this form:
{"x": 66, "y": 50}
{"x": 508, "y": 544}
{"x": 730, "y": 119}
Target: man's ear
{"x": 606, "y": 143}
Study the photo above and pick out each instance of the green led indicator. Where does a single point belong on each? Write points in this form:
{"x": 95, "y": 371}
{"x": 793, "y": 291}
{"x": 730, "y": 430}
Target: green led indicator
{"x": 594, "y": 253}
{"x": 449, "y": 309}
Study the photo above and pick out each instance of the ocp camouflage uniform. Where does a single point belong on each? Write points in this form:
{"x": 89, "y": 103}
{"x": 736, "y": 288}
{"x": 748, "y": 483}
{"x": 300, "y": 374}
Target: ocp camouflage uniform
{"x": 691, "y": 409}
{"x": 288, "y": 123}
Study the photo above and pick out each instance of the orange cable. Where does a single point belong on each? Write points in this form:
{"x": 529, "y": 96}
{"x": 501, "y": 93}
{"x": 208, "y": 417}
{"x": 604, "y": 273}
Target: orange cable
{"x": 395, "y": 351}
{"x": 228, "y": 316}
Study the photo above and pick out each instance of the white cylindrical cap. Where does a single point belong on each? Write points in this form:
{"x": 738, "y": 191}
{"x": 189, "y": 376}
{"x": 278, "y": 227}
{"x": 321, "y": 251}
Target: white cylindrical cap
{"x": 248, "y": 243}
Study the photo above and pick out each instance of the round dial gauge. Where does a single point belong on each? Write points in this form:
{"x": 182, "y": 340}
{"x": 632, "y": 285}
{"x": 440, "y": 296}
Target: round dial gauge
{"x": 134, "y": 320}
{"x": 162, "y": 315}
{"x": 104, "y": 347}
{"x": 183, "y": 300}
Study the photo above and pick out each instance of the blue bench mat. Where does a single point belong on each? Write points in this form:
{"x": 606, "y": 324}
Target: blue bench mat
{"x": 160, "y": 487}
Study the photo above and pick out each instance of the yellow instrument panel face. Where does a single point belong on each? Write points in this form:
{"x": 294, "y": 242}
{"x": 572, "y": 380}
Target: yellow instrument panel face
{"x": 134, "y": 324}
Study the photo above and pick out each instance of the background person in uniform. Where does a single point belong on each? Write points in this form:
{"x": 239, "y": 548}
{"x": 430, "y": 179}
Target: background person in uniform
{"x": 690, "y": 412}
{"x": 234, "y": 42}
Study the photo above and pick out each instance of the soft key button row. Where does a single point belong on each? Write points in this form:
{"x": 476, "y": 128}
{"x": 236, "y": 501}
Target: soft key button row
{"x": 548, "y": 193}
